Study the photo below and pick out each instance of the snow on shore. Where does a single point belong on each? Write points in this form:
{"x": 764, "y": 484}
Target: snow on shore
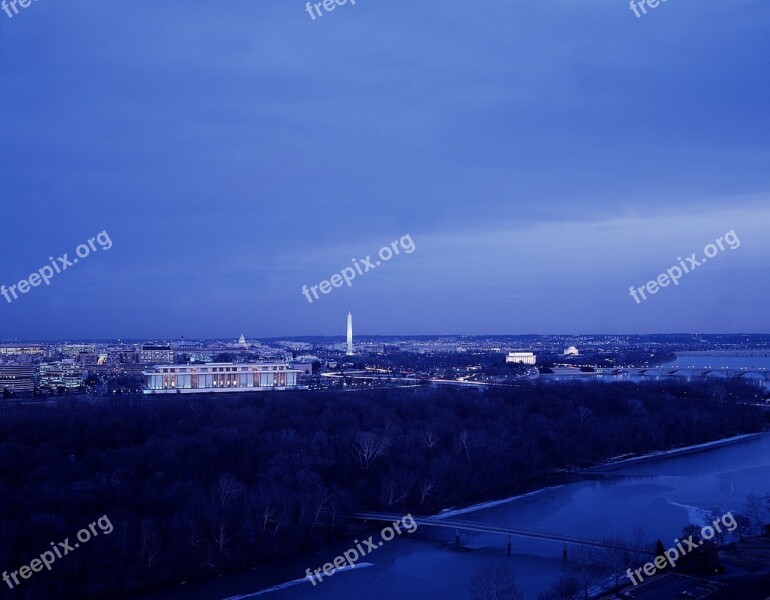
{"x": 294, "y": 582}
{"x": 614, "y": 462}
{"x": 445, "y": 514}
{"x": 618, "y": 461}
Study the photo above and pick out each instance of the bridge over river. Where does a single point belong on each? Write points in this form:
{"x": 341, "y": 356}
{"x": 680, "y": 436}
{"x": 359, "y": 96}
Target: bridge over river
{"x": 471, "y": 526}
{"x": 756, "y": 373}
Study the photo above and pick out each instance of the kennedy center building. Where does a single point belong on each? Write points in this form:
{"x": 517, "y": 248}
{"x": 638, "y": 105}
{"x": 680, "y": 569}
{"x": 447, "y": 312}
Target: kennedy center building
{"x": 219, "y": 377}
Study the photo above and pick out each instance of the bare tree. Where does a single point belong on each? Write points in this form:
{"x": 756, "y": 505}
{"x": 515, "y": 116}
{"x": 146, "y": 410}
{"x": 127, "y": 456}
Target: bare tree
{"x": 584, "y": 567}
{"x": 429, "y": 438}
{"x": 645, "y": 548}
{"x": 755, "y": 511}
{"x": 221, "y": 540}
{"x": 495, "y": 583}
{"x": 743, "y": 525}
{"x": 565, "y": 588}
{"x": 229, "y": 488}
{"x": 320, "y": 501}
{"x": 426, "y": 488}
{"x": 719, "y": 534}
{"x": 396, "y": 488}
{"x": 584, "y": 413}
{"x": 462, "y": 444}
{"x": 150, "y": 544}
{"x": 368, "y": 447}
{"x": 615, "y": 558}
{"x": 268, "y": 511}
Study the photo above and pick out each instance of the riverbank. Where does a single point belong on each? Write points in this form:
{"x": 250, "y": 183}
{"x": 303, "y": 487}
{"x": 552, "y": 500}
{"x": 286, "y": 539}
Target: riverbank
{"x": 620, "y": 505}
{"x": 604, "y": 466}
{"x": 623, "y": 461}
{"x": 448, "y": 513}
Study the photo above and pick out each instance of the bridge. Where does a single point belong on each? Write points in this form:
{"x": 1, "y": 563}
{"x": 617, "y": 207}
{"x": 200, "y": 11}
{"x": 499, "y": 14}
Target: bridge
{"x": 461, "y": 525}
{"x": 756, "y": 373}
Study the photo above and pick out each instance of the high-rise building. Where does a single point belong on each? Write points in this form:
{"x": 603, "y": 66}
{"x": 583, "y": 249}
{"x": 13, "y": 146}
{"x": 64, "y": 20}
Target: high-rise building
{"x": 350, "y": 333}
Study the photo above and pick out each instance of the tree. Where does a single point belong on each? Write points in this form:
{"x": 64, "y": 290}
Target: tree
{"x": 426, "y": 489}
{"x": 368, "y": 446}
{"x": 615, "y": 558}
{"x": 495, "y": 583}
{"x": 643, "y": 546}
{"x": 719, "y": 533}
{"x": 743, "y": 525}
{"x": 584, "y": 413}
{"x": 755, "y": 511}
{"x": 565, "y": 588}
{"x": 583, "y": 566}
{"x": 429, "y": 438}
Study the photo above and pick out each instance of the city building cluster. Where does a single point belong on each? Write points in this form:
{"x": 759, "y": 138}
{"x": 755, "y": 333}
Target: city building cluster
{"x": 152, "y": 367}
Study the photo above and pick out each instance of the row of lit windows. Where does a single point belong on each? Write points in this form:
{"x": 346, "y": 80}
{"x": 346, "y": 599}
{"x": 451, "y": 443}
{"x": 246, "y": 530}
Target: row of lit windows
{"x": 173, "y": 381}
{"x": 185, "y": 370}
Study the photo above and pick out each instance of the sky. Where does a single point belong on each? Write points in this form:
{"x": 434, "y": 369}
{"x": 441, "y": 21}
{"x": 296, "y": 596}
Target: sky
{"x": 542, "y": 157}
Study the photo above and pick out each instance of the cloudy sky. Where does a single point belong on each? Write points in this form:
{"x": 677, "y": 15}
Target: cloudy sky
{"x": 543, "y": 157}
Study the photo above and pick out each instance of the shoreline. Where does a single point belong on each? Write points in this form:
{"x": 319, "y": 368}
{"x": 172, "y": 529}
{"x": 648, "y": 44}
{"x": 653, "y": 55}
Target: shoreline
{"x": 600, "y": 468}
{"x": 486, "y": 504}
{"x": 448, "y": 513}
{"x": 618, "y": 461}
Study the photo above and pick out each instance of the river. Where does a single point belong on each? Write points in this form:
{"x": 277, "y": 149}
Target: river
{"x": 660, "y": 496}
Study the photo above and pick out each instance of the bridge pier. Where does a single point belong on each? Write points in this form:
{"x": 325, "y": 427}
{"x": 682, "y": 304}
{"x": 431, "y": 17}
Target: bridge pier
{"x": 457, "y": 537}
{"x": 509, "y": 545}
{"x": 564, "y": 552}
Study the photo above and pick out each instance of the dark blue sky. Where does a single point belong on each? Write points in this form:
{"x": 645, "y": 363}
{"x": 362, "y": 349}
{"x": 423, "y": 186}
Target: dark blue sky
{"x": 543, "y": 156}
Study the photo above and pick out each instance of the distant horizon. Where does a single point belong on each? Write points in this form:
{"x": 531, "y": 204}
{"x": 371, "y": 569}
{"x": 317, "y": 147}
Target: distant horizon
{"x": 371, "y": 336}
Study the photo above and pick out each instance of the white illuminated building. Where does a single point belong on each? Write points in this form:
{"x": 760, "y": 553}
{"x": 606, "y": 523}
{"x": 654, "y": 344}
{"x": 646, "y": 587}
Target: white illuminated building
{"x": 525, "y": 358}
{"x": 219, "y": 377}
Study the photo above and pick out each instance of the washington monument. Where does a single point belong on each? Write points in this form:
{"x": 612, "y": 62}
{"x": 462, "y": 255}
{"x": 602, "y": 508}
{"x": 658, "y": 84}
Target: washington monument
{"x": 350, "y": 333}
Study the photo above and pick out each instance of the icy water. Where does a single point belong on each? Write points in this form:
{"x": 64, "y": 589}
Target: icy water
{"x": 659, "y": 496}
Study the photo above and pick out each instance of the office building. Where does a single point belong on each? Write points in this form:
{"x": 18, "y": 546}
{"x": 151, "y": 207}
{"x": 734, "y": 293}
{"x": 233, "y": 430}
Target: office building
{"x": 17, "y": 379}
{"x": 152, "y": 354}
{"x": 65, "y": 374}
{"x": 219, "y": 377}
{"x": 15, "y": 350}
